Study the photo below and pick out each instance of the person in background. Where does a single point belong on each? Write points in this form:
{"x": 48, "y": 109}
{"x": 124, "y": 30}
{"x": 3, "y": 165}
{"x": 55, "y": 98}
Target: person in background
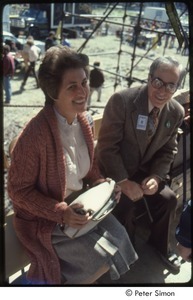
{"x": 136, "y": 146}
{"x": 184, "y": 233}
{"x": 50, "y": 40}
{"x": 96, "y": 81}
{"x": 8, "y": 72}
{"x": 25, "y": 52}
{"x": 65, "y": 41}
{"x": 33, "y": 53}
{"x": 52, "y": 159}
{"x": 106, "y": 28}
{"x": 12, "y": 45}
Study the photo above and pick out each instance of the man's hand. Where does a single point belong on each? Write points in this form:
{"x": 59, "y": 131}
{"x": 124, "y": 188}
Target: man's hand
{"x": 150, "y": 185}
{"x": 131, "y": 189}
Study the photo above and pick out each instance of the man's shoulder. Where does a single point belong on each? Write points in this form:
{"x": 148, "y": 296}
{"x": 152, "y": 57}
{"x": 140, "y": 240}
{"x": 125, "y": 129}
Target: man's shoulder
{"x": 130, "y": 93}
{"x": 10, "y": 57}
{"x": 95, "y": 71}
{"x": 34, "y": 47}
{"x": 176, "y": 105}
{"x": 9, "y": 60}
{"x": 125, "y": 97}
{"x": 131, "y": 90}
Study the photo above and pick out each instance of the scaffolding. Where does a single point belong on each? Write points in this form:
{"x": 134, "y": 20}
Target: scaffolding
{"x": 121, "y": 77}
{"x": 176, "y": 26}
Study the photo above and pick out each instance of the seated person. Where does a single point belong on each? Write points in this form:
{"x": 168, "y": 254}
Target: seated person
{"x": 136, "y": 146}
{"x": 52, "y": 158}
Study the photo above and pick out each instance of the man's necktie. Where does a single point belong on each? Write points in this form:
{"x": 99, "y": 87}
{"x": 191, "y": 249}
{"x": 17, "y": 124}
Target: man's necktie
{"x": 152, "y": 122}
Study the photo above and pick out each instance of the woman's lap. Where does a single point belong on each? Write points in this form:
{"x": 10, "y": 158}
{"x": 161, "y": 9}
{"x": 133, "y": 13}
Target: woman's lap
{"x": 108, "y": 243}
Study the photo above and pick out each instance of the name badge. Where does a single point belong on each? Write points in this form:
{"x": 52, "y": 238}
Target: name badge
{"x": 142, "y": 122}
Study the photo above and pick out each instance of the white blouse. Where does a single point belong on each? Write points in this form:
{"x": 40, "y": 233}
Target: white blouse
{"x": 76, "y": 153}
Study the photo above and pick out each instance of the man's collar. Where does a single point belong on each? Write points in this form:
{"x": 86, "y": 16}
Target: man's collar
{"x": 150, "y": 107}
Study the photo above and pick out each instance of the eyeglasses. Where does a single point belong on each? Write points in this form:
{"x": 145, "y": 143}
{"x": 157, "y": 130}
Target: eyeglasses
{"x": 157, "y": 83}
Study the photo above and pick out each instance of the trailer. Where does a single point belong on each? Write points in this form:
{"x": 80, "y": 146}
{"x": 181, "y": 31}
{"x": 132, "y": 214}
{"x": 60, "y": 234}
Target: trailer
{"x": 39, "y": 19}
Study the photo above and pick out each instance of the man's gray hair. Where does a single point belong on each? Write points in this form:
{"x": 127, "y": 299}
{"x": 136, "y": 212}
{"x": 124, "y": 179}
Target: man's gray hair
{"x": 167, "y": 61}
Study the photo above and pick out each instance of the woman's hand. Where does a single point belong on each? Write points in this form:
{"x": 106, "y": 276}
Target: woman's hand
{"x": 72, "y": 216}
{"x": 117, "y": 191}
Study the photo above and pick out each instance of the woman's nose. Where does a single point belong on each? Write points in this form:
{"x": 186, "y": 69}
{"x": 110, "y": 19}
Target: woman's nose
{"x": 82, "y": 90}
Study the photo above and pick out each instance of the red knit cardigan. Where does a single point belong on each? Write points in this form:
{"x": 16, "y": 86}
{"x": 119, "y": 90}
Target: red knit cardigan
{"x": 37, "y": 184}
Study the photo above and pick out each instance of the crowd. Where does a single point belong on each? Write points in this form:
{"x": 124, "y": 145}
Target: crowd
{"x": 136, "y": 146}
{"x": 30, "y": 54}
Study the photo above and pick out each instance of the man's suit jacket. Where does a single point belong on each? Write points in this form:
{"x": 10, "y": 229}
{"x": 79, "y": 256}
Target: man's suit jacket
{"x": 123, "y": 150}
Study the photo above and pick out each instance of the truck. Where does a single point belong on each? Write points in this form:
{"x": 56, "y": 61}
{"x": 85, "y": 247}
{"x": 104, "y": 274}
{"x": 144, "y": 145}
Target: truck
{"x": 155, "y": 13}
{"x": 160, "y": 15}
{"x": 39, "y": 19}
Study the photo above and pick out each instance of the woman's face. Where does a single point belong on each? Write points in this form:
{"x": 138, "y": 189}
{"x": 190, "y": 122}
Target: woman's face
{"x": 73, "y": 94}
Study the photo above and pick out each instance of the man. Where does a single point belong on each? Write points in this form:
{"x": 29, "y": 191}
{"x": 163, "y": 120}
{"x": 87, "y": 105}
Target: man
{"x": 25, "y": 52}
{"x": 33, "y": 53}
{"x": 8, "y": 72}
{"x": 65, "y": 41}
{"x": 96, "y": 81}
{"x": 50, "y": 40}
{"x": 141, "y": 163}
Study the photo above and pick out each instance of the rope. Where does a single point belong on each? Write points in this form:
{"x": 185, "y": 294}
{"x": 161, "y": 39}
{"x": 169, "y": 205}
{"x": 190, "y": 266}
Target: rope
{"x": 18, "y": 105}
{"x": 39, "y": 106}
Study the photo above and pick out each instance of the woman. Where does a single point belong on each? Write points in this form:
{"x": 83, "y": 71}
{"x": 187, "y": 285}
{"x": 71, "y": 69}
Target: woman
{"x": 53, "y": 157}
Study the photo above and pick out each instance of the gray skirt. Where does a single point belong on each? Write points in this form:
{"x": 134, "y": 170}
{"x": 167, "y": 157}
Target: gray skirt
{"x": 108, "y": 243}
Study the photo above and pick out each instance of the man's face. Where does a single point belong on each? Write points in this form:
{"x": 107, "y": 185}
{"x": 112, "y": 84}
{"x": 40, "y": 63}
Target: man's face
{"x": 162, "y": 84}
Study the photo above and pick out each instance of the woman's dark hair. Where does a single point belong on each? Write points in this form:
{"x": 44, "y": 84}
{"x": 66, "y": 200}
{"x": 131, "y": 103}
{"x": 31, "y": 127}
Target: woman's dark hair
{"x": 57, "y": 60}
